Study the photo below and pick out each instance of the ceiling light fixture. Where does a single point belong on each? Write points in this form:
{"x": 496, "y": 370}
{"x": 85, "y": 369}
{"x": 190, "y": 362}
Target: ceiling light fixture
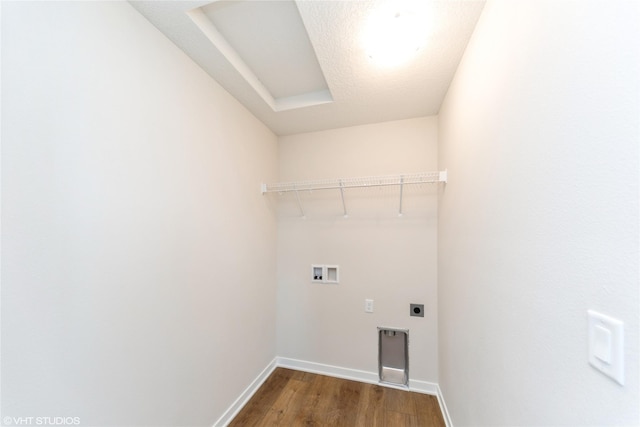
{"x": 392, "y": 36}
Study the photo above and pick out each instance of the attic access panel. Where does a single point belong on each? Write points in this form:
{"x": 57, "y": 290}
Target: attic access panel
{"x": 268, "y": 44}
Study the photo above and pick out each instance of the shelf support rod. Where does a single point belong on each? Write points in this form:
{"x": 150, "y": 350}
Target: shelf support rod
{"x": 299, "y": 203}
{"x": 344, "y": 206}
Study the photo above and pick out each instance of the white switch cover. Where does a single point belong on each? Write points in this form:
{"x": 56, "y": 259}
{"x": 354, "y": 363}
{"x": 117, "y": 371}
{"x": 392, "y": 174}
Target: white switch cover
{"x": 368, "y": 306}
{"x": 606, "y": 345}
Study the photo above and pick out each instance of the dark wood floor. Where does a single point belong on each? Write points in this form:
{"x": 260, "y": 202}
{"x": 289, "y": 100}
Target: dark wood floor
{"x": 293, "y": 398}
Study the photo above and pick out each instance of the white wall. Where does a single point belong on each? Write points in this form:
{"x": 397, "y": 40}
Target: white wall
{"x": 138, "y": 256}
{"x": 539, "y": 220}
{"x": 381, "y": 256}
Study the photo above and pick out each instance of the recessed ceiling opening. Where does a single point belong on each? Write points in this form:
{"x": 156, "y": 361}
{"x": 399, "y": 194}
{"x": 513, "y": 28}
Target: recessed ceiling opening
{"x": 267, "y": 43}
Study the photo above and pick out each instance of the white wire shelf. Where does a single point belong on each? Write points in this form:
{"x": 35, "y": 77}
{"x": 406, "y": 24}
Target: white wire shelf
{"x": 359, "y": 182}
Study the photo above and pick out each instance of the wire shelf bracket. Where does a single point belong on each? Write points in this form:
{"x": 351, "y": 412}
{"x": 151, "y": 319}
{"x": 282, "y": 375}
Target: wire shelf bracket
{"x": 361, "y": 182}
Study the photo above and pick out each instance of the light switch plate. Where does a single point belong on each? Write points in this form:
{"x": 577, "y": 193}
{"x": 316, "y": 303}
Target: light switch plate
{"x": 606, "y": 345}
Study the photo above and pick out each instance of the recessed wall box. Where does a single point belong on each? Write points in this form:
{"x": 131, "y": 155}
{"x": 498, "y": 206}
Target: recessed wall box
{"x": 324, "y": 273}
{"x": 393, "y": 356}
{"x": 331, "y": 275}
{"x": 317, "y": 273}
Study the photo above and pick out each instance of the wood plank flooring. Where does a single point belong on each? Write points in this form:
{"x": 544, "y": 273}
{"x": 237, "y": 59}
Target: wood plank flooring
{"x": 293, "y": 398}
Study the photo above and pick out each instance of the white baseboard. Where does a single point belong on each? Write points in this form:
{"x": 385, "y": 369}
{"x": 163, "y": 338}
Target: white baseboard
{"x": 352, "y": 374}
{"x": 443, "y": 408}
{"x": 244, "y": 397}
{"x": 329, "y": 370}
{"x": 425, "y": 387}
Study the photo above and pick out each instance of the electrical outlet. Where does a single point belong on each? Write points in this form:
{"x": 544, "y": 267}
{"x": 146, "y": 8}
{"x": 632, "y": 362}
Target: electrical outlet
{"x": 368, "y": 306}
{"x": 416, "y": 310}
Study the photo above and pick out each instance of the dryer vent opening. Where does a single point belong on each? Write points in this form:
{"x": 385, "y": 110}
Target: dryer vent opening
{"x": 393, "y": 356}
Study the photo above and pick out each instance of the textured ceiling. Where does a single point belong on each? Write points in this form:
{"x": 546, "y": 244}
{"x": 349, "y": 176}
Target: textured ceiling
{"x": 348, "y": 89}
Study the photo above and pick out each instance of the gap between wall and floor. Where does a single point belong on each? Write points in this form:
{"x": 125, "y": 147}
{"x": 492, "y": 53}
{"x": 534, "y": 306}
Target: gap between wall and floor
{"x": 332, "y": 371}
